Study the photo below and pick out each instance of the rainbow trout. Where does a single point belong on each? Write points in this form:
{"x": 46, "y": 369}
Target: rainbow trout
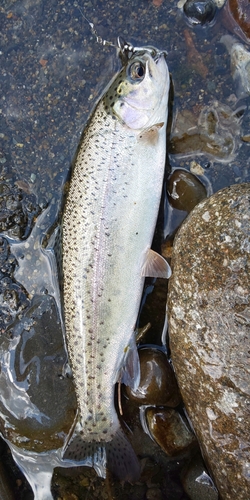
{"x": 108, "y": 226}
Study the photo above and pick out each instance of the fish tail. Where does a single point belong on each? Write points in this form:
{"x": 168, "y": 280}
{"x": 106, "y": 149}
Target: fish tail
{"x": 116, "y": 455}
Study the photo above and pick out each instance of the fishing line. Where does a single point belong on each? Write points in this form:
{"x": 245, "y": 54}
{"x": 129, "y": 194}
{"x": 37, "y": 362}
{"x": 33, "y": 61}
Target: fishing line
{"x": 99, "y": 39}
{"x": 126, "y": 50}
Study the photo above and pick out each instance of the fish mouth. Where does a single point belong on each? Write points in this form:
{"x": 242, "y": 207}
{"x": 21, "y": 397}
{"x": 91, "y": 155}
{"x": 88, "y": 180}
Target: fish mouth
{"x": 160, "y": 55}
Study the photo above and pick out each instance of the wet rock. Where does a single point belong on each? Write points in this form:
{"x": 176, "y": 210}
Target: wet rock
{"x": 200, "y": 11}
{"x": 7, "y": 260}
{"x": 196, "y": 168}
{"x": 209, "y": 315}
{"x": 169, "y": 430}
{"x": 184, "y": 190}
{"x": 240, "y": 65}
{"x": 236, "y": 18}
{"x": 157, "y": 381}
{"x": 154, "y": 312}
{"x": 17, "y": 209}
{"x": 196, "y": 481}
{"x": 13, "y": 300}
{"x": 13, "y": 297}
{"x": 37, "y": 402}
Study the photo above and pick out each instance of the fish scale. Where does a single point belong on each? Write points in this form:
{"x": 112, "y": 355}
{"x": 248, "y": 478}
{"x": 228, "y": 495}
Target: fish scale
{"x": 108, "y": 226}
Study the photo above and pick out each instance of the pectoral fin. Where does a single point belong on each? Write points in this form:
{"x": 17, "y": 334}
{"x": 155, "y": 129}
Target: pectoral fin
{"x": 150, "y": 134}
{"x": 155, "y": 266}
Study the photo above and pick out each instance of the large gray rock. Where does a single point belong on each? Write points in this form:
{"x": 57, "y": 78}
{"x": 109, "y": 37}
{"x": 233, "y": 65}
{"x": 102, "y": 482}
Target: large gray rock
{"x": 209, "y": 316}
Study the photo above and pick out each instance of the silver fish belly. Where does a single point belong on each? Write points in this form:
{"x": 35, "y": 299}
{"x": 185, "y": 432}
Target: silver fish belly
{"x": 108, "y": 226}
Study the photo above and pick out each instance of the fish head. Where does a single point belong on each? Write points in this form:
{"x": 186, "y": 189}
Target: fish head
{"x": 138, "y": 96}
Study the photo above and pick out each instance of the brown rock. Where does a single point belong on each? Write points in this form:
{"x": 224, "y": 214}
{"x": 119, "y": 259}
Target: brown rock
{"x": 157, "y": 381}
{"x": 209, "y": 315}
{"x": 169, "y": 430}
{"x": 184, "y": 190}
{"x": 236, "y": 18}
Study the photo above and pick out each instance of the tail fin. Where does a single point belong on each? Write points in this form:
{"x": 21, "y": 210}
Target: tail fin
{"x": 116, "y": 455}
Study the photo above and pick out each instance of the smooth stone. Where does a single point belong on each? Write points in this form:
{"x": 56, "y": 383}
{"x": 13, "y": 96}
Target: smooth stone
{"x": 197, "y": 482}
{"x": 185, "y": 190}
{"x": 169, "y": 430}
{"x": 157, "y": 381}
{"x": 200, "y": 11}
{"x": 37, "y": 403}
{"x": 209, "y": 316}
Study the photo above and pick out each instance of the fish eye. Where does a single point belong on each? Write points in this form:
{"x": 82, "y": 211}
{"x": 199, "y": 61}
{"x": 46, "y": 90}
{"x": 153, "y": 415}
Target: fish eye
{"x": 136, "y": 70}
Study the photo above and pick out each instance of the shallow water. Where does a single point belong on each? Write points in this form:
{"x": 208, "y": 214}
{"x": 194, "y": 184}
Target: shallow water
{"x": 52, "y": 72}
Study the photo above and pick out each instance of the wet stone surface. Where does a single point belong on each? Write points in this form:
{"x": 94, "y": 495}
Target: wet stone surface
{"x": 157, "y": 381}
{"x": 185, "y": 190}
{"x": 169, "y": 429}
{"x": 200, "y": 11}
{"x": 209, "y": 332}
{"x": 18, "y": 206}
{"x": 37, "y": 402}
{"x": 197, "y": 483}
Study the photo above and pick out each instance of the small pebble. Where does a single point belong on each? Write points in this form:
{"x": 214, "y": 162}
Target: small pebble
{"x": 157, "y": 381}
{"x": 200, "y": 11}
{"x": 196, "y": 168}
{"x": 169, "y": 430}
{"x": 196, "y": 481}
{"x": 185, "y": 190}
